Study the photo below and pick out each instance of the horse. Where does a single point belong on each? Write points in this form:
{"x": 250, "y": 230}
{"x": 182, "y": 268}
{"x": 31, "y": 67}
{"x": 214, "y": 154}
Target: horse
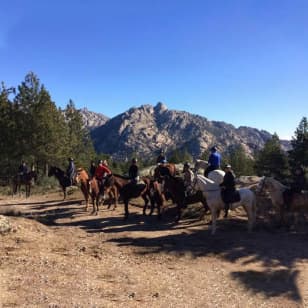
{"x": 216, "y": 175}
{"x": 174, "y": 185}
{"x": 212, "y": 193}
{"x": 26, "y": 180}
{"x": 276, "y": 190}
{"x": 164, "y": 169}
{"x": 81, "y": 177}
{"x": 94, "y": 191}
{"x": 62, "y": 177}
{"x": 127, "y": 190}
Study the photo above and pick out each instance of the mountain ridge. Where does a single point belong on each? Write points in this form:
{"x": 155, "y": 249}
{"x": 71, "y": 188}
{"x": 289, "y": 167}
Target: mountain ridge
{"x": 146, "y": 129}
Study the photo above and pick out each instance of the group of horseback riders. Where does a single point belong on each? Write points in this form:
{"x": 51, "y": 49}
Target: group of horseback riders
{"x": 228, "y": 190}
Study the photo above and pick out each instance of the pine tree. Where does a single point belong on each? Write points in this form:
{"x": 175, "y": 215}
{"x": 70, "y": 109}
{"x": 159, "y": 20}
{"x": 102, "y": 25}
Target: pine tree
{"x": 299, "y": 153}
{"x": 42, "y": 129}
{"x": 80, "y": 145}
{"x": 271, "y": 160}
{"x": 7, "y": 129}
{"x": 241, "y": 164}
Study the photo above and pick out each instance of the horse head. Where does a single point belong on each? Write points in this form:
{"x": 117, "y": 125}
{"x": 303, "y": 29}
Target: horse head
{"x": 199, "y": 163}
{"x": 33, "y": 175}
{"x": 81, "y": 176}
{"x": 52, "y": 170}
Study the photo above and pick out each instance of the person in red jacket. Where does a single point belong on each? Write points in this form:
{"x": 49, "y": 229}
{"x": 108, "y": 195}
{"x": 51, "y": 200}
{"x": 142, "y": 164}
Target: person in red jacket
{"x": 101, "y": 171}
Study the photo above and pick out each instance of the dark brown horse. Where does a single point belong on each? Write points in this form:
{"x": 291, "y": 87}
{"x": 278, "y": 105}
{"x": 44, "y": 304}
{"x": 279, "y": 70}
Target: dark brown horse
{"x": 164, "y": 169}
{"x": 62, "y": 177}
{"x": 127, "y": 190}
{"x": 175, "y": 187}
{"x": 26, "y": 180}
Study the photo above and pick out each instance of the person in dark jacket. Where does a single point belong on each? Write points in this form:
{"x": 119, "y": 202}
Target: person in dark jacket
{"x": 228, "y": 188}
{"x": 161, "y": 159}
{"x": 71, "y": 170}
{"x": 23, "y": 170}
{"x": 133, "y": 171}
{"x": 92, "y": 169}
{"x": 213, "y": 162}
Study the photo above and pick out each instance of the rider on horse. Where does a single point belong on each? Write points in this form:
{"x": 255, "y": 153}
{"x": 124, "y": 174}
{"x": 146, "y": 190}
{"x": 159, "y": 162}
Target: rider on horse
{"x": 71, "y": 170}
{"x": 23, "y": 170}
{"x": 228, "y": 188}
{"x": 133, "y": 171}
{"x": 213, "y": 162}
{"x": 101, "y": 172}
{"x": 161, "y": 159}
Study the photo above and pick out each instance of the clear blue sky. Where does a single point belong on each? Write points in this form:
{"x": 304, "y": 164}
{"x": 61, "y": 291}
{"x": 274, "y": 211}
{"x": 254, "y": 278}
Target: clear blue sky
{"x": 244, "y": 62}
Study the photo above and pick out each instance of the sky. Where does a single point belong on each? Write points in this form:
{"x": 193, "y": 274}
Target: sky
{"x": 244, "y": 62}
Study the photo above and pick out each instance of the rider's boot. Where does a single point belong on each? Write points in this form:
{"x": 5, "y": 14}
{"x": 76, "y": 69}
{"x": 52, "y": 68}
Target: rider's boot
{"x": 227, "y": 206}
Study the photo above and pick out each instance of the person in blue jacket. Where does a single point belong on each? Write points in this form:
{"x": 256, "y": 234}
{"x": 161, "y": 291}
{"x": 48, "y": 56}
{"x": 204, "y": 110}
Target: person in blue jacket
{"x": 213, "y": 162}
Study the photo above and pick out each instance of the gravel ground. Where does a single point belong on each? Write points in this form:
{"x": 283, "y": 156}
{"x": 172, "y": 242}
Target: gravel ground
{"x": 57, "y": 255}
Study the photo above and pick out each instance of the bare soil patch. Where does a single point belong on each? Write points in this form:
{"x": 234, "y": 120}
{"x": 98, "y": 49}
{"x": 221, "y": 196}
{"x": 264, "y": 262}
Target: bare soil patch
{"x": 57, "y": 255}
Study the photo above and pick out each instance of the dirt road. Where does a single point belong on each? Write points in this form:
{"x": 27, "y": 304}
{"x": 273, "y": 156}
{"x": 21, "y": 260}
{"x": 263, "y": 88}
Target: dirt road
{"x": 59, "y": 256}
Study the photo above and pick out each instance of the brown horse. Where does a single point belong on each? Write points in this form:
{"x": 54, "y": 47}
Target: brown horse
{"x": 94, "y": 190}
{"x": 176, "y": 188}
{"x": 127, "y": 190}
{"x": 82, "y": 178}
{"x": 26, "y": 180}
{"x": 164, "y": 169}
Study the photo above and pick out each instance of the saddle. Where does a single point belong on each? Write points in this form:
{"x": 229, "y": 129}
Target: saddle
{"x": 230, "y": 196}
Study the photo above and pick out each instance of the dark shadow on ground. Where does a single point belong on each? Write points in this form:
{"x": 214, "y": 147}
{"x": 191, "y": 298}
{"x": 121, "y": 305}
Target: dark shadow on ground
{"x": 271, "y": 283}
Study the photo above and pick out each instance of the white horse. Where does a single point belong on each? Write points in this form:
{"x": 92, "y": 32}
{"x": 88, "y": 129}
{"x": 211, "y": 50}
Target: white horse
{"x": 212, "y": 193}
{"x": 216, "y": 176}
{"x": 276, "y": 189}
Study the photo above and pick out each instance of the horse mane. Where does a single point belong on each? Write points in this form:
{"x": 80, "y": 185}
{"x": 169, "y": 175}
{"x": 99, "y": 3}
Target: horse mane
{"x": 276, "y": 183}
{"x": 120, "y": 176}
{"x": 208, "y": 184}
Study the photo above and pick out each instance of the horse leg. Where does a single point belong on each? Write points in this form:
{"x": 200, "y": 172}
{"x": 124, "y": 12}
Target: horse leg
{"x": 116, "y": 197}
{"x": 97, "y": 204}
{"x": 178, "y": 215}
{"x": 152, "y": 202}
{"x": 214, "y": 219}
{"x": 159, "y": 204}
{"x": 126, "y": 208}
{"x": 64, "y": 193}
{"x": 87, "y": 201}
{"x": 93, "y": 203}
{"x": 249, "y": 212}
{"x": 146, "y": 201}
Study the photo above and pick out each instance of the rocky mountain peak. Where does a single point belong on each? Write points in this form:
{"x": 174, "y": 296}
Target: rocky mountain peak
{"x": 146, "y": 129}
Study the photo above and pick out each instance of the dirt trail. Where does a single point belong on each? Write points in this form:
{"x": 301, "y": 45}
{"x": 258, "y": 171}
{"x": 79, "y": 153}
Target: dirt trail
{"x": 59, "y": 256}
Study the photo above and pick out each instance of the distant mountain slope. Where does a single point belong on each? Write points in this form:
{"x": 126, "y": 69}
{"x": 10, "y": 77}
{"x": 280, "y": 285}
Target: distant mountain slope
{"x": 147, "y": 129}
{"x": 92, "y": 119}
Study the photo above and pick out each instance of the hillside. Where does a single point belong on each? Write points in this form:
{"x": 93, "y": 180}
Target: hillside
{"x": 92, "y": 119}
{"x": 147, "y": 129}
